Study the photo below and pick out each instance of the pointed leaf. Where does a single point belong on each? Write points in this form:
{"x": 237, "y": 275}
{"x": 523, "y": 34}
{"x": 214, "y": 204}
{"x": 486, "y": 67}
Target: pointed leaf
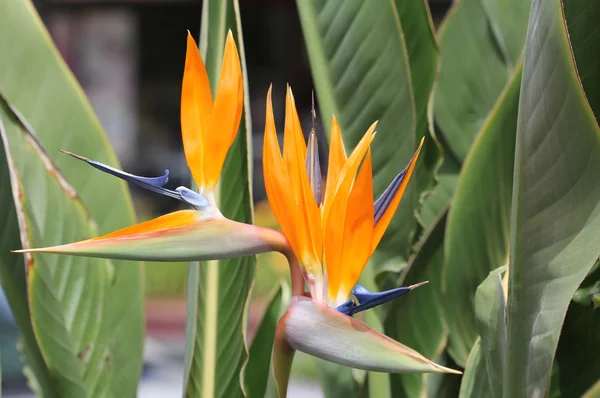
{"x": 556, "y": 198}
{"x": 327, "y": 334}
{"x": 32, "y": 75}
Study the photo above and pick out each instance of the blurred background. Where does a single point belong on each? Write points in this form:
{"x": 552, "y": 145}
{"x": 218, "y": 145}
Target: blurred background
{"x": 128, "y": 56}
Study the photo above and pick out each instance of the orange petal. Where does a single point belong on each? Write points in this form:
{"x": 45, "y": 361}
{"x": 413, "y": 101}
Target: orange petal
{"x": 294, "y": 156}
{"x": 276, "y": 178}
{"x": 348, "y": 231}
{"x": 293, "y": 143}
{"x": 356, "y": 249}
{"x": 385, "y": 219}
{"x": 196, "y": 107}
{"x": 226, "y": 114}
{"x": 348, "y": 172}
{"x": 337, "y": 157}
{"x": 168, "y": 221}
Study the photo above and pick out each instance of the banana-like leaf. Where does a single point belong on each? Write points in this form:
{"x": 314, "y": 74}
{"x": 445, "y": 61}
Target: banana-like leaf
{"x": 417, "y": 320}
{"x": 480, "y": 42}
{"x": 556, "y": 199}
{"x": 218, "y": 291}
{"x": 474, "y": 383}
{"x": 36, "y": 80}
{"x": 479, "y": 220}
{"x": 321, "y": 331}
{"x": 68, "y": 298}
{"x": 256, "y": 375}
{"x": 360, "y": 65}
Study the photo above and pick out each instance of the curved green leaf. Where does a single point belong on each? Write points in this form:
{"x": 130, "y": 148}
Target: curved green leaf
{"x": 480, "y": 42}
{"x": 556, "y": 200}
{"x": 359, "y": 62}
{"x": 218, "y": 291}
{"x": 478, "y": 223}
{"x": 68, "y": 298}
{"x": 36, "y": 80}
{"x": 417, "y": 320}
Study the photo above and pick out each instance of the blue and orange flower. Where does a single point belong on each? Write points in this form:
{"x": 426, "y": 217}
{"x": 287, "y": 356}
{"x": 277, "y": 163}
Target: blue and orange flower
{"x": 329, "y": 233}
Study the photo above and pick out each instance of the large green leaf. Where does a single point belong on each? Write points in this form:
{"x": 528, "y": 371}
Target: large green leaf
{"x": 362, "y": 73}
{"x": 556, "y": 200}
{"x": 218, "y": 291}
{"x": 480, "y": 42}
{"x": 417, "y": 319}
{"x": 36, "y": 80}
{"x": 478, "y": 223}
{"x": 68, "y": 297}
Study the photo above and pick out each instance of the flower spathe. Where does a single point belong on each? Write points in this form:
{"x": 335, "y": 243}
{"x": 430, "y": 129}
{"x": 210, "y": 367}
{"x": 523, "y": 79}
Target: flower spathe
{"x": 333, "y": 239}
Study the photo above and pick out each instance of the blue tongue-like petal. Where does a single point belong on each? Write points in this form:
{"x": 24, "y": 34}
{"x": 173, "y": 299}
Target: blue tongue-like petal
{"x": 367, "y": 299}
{"x": 193, "y": 197}
{"x": 154, "y": 184}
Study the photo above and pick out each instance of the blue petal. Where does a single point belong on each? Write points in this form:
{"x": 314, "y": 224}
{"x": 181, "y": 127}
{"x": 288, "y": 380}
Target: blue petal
{"x": 347, "y": 307}
{"x": 367, "y": 299}
{"x": 386, "y": 197}
{"x": 154, "y": 184}
{"x": 193, "y": 198}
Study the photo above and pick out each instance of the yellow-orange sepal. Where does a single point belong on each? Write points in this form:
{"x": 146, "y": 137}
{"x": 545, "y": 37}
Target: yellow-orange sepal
{"x": 209, "y": 128}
